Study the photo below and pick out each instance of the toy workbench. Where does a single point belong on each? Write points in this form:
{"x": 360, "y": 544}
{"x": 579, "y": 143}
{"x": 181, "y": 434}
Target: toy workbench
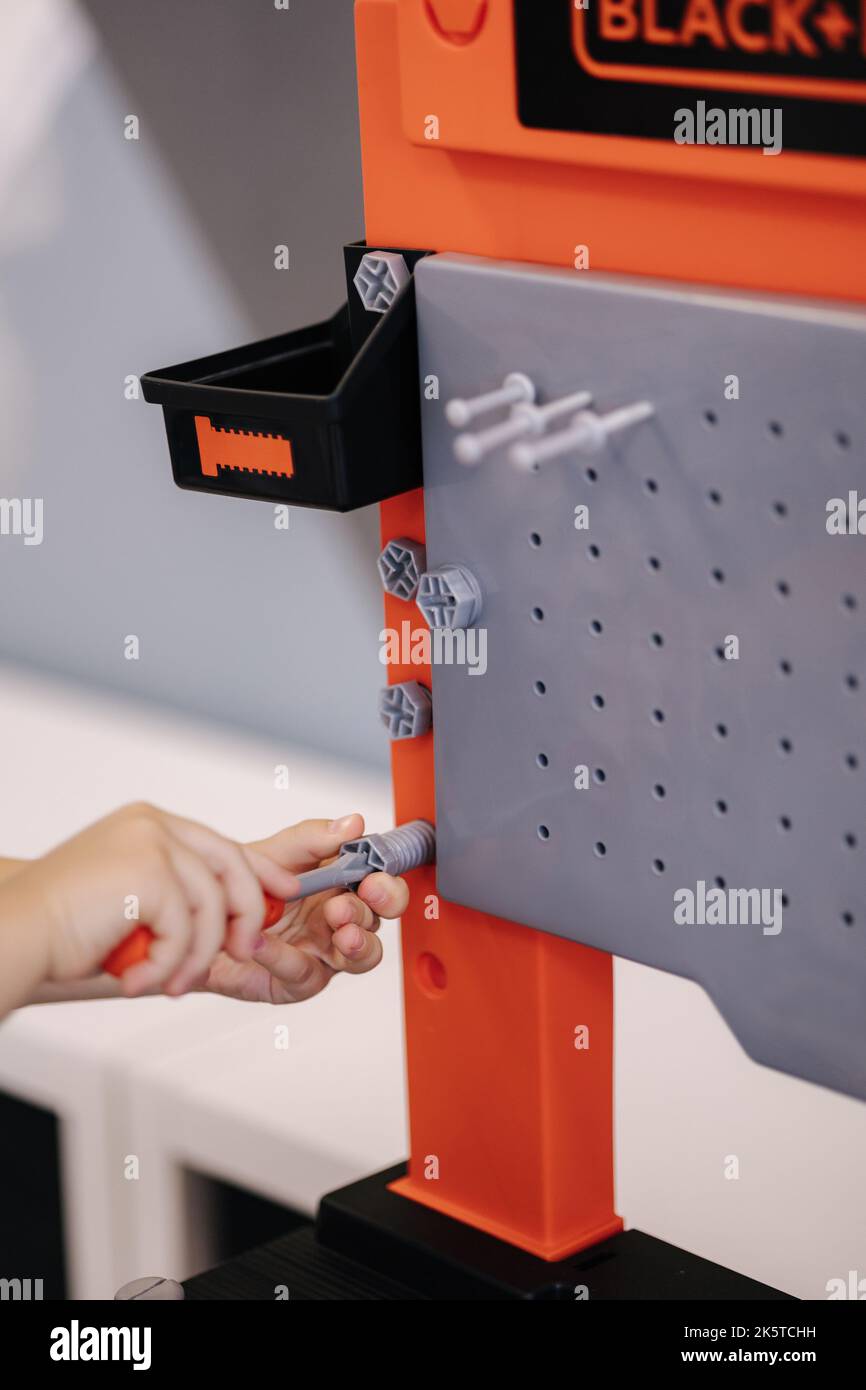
{"x": 601, "y": 365}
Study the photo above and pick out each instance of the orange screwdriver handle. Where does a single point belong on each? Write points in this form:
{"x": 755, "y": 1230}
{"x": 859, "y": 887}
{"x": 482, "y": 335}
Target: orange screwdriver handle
{"x": 135, "y": 948}
{"x": 131, "y": 950}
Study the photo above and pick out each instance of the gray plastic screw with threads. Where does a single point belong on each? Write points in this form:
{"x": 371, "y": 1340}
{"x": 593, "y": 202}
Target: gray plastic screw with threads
{"x": 397, "y": 851}
{"x": 393, "y": 852}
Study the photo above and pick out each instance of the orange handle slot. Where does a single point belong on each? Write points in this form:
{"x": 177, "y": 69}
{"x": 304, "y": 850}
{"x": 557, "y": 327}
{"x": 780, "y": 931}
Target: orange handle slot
{"x": 134, "y": 948}
{"x": 274, "y": 909}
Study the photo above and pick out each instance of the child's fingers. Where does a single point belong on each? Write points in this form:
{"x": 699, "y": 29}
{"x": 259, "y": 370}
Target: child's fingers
{"x": 354, "y": 948}
{"x": 387, "y": 896}
{"x": 280, "y": 882}
{"x": 244, "y": 904}
{"x": 348, "y": 911}
{"x": 300, "y": 973}
{"x": 171, "y": 924}
{"x": 345, "y": 909}
{"x": 206, "y": 896}
{"x": 304, "y": 846}
{"x": 354, "y": 951}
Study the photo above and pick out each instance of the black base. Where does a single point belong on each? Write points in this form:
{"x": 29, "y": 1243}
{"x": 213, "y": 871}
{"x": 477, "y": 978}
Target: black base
{"x": 371, "y": 1243}
{"x": 298, "y": 1264}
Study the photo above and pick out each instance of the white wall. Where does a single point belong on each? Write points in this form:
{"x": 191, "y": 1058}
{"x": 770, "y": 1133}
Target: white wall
{"x": 120, "y": 256}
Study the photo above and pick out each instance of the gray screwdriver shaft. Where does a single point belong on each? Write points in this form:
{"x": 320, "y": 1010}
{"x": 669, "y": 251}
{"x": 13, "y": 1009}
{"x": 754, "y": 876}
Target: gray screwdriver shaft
{"x": 346, "y": 871}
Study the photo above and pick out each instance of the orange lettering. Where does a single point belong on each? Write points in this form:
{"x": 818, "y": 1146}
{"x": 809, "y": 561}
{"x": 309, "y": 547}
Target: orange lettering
{"x": 786, "y": 25}
{"x": 652, "y": 32}
{"x": 751, "y": 43}
{"x": 701, "y": 18}
{"x": 617, "y": 19}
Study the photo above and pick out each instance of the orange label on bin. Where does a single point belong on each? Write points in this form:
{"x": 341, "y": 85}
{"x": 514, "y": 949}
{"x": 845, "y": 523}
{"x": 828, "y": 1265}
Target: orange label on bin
{"x": 242, "y": 450}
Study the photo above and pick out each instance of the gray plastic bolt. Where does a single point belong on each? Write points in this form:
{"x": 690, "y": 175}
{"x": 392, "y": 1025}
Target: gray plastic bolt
{"x": 449, "y": 596}
{"x": 400, "y": 566}
{"x": 515, "y": 388}
{"x": 525, "y": 419}
{"x": 406, "y": 709}
{"x": 394, "y": 852}
{"x": 379, "y": 278}
{"x": 397, "y": 851}
{"x": 587, "y": 434}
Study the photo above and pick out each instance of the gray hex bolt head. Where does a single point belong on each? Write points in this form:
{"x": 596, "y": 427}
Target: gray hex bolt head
{"x": 406, "y": 710}
{"x": 400, "y": 566}
{"x": 379, "y": 279}
{"x": 449, "y": 596}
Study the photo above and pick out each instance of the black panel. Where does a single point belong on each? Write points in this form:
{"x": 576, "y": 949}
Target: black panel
{"x": 556, "y": 93}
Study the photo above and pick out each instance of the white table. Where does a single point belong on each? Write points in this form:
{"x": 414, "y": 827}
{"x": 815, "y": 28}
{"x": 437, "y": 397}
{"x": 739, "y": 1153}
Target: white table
{"x": 197, "y": 1084}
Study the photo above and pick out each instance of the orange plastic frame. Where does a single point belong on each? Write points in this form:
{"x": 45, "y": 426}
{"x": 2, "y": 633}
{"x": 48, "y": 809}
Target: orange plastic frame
{"x": 511, "y": 1121}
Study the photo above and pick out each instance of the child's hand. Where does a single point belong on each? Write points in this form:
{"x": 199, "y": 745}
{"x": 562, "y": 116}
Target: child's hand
{"x": 198, "y": 892}
{"x": 318, "y": 936}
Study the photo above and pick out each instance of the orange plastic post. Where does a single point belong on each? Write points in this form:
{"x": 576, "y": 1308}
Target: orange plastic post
{"x": 509, "y": 1037}
{"x": 509, "y": 1032}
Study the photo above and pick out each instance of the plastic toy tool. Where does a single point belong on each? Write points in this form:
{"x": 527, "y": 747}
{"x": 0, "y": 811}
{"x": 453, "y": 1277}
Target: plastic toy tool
{"x": 394, "y": 852}
{"x": 135, "y": 947}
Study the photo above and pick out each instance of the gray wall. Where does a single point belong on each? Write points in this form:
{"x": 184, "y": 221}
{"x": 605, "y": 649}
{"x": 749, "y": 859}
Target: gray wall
{"x": 124, "y": 256}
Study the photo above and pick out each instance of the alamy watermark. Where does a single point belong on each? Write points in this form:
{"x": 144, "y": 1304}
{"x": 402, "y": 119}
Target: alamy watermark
{"x": 441, "y": 646}
{"x": 22, "y": 516}
{"x": 760, "y": 127}
{"x": 729, "y": 907}
{"x": 846, "y": 516}
{"x": 21, "y": 1290}
{"x": 84, "y": 1343}
{"x": 854, "y": 1287}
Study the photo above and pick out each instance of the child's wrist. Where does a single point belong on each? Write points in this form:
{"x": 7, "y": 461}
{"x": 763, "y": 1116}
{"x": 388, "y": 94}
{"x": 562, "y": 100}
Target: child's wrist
{"x": 8, "y": 867}
{"x": 27, "y": 942}
{"x": 33, "y": 916}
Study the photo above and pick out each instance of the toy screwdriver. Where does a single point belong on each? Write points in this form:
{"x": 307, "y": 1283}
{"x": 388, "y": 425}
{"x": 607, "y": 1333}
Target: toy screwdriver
{"x": 394, "y": 852}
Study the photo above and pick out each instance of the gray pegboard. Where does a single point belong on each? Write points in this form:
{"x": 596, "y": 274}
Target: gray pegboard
{"x": 707, "y": 521}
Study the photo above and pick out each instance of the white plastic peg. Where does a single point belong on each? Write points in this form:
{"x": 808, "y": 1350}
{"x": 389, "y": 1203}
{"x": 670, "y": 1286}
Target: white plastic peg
{"x": 587, "y": 434}
{"x": 525, "y": 419}
{"x": 515, "y": 388}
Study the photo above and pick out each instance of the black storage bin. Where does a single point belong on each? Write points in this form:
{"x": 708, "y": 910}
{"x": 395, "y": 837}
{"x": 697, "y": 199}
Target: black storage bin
{"x": 300, "y": 418}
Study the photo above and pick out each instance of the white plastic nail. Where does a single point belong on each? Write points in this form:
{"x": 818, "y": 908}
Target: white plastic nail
{"x": 515, "y": 388}
{"x": 587, "y": 434}
{"x": 525, "y": 419}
